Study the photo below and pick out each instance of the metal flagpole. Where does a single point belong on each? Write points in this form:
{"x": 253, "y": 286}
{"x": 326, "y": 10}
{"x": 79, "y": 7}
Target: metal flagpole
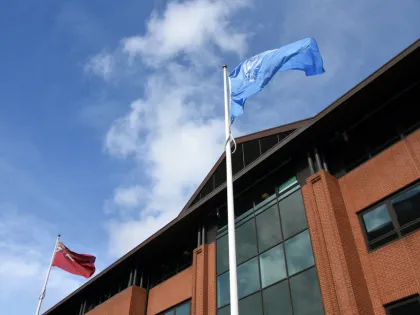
{"x": 41, "y": 297}
{"x": 233, "y": 278}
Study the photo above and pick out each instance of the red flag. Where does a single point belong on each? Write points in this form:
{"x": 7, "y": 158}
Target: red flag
{"x": 78, "y": 264}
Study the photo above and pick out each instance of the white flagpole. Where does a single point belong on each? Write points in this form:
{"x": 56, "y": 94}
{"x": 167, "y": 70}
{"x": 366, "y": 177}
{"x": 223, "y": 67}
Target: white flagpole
{"x": 44, "y": 288}
{"x": 233, "y": 278}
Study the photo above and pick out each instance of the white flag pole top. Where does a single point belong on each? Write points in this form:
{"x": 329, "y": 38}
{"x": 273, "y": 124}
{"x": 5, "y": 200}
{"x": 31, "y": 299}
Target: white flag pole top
{"x": 44, "y": 288}
{"x": 233, "y": 278}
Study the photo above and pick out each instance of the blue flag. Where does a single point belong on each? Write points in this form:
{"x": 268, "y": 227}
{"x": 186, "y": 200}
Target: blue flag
{"x": 252, "y": 75}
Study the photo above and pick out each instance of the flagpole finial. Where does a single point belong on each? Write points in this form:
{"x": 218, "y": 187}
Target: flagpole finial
{"x": 224, "y": 66}
{"x": 59, "y": 235}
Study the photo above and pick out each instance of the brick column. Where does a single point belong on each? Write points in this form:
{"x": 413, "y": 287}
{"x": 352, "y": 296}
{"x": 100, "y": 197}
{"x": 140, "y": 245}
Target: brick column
{"x": 341, "y": 278}
{"x": 204, "y": 281}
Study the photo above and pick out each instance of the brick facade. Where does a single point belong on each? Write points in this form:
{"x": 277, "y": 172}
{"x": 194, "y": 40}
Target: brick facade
{"x": 131, "y": 301}
{"x": 352, "y": 279}
{"x": 204, "y": 280}
{"x": 171, "y": 292}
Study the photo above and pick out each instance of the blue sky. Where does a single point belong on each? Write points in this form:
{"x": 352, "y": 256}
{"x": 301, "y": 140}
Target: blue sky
{"x": 111, "y": 113}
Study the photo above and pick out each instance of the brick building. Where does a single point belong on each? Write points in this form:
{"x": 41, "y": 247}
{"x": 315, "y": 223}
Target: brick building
{"x": 327, "y": 219}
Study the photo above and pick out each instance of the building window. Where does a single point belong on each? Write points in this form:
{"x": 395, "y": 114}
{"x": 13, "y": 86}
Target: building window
{"x": 410, "y": 306}
{"x": 276, "y": 268}
{"x": 393, "y": 218}
{"x": 182, "y": 309}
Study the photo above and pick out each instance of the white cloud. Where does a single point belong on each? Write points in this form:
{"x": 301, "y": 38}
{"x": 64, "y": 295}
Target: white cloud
{"x": 172, "y": 145}
{"x": 174, "y": 132}
{"x": 101, "y": 65}
{"x": 129, "y": 196}
{"x": 188, "y": 27}
{"x": 124, "y": 135}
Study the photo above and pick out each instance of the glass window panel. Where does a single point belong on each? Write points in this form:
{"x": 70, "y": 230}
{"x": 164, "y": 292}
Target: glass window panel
{"x": 222, "y": 254}
{"x": 407, "y": 206}
{"x": 287, "y": 184}
{"x": 224, "y": 311}
{"x": 248, "y": 278}
{"x": 223, "y": 294}
{"x": 377, "y": 222}
{"x": 251, "y": 305}
{"x": 408, "y": 308}
{"x": 171, "y": 312}
{"x": 306, "y": 296}
{"x": 277, "y": 299}
{"x": 183, "y": 309}
{"x": 299, "y": 253}
{"x": 265, "y": 203}
{"x": 246, "y": 241}
{"x": 268, "y": 227}
{"x": 292, "y": 213}
{"x": 273, "y": 266}
{"x": 382, "y": 241}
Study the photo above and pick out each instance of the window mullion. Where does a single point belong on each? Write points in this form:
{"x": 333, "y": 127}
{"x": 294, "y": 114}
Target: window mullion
{"x": 394, "y": 217}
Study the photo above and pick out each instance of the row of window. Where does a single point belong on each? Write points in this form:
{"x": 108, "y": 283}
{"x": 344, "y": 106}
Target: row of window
{"x": 182, "y": 309}
{"x": 298, "y": 295}
{"x": 275, "y": 260}
{"x": 269, "y": 267}
{"x": 392, "y": 218}
{"x": 265, "y": 229}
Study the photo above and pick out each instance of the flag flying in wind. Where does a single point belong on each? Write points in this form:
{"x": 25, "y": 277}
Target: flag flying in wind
{"x": 252, "y": 75}
{"x": 78, "y": 264}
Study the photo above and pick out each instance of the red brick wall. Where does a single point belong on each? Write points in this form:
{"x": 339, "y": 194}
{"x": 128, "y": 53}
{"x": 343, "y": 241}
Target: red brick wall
{"x": 197, "y": 283}
{"x": 204, "y": 281}
{"x": 352, "y": 280}
{"x": 199, "y": 291}
{"x": 171, "y": 292}
{"x": 211, "y": 278}
{"x": 329, "y": 229}
{"x": 138, "y": 301}
{"x": 131, "y": 301}
{"x": 391, "y": 272}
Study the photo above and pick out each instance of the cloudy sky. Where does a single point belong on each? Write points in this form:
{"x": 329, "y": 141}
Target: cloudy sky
{"x": 111, "y": 112}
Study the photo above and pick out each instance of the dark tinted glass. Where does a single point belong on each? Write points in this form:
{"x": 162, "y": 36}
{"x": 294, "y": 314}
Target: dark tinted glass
{"x": 292, "y": 212}
{"x": 248, "y": 278}
{"x": 222, "y": 254}
{"x": 407, "y": 206}
{"x": 273, "y": 266}
{"x": 251, "y": 305}
{"x": 383, "y": 240}
{"x": 287, "y": 184}
{"x": 306, "y": 296}
{"x": 183, "y": 309}
{"x": 277, "y": 299}
{"x": 268, "y": 227}
{"x": 408, "y": 308}
{"x": 224, "y": 311}
{"x": 223, "y": 295}
{"x": 246, "y": 241}
{"x": 171, "y": 312}
{"x": 299, "y": 253}
{"x": 377, "y": 222}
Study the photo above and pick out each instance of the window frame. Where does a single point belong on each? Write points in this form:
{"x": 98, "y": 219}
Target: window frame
{"x": 275, "y": 199}
{"x": 387, "y": 201}
{"x": 398, "y": 303}
{"x": 173, "y": 308}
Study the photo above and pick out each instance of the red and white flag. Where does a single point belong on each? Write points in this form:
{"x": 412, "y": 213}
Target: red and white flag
{"x": 78, "y": 264}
